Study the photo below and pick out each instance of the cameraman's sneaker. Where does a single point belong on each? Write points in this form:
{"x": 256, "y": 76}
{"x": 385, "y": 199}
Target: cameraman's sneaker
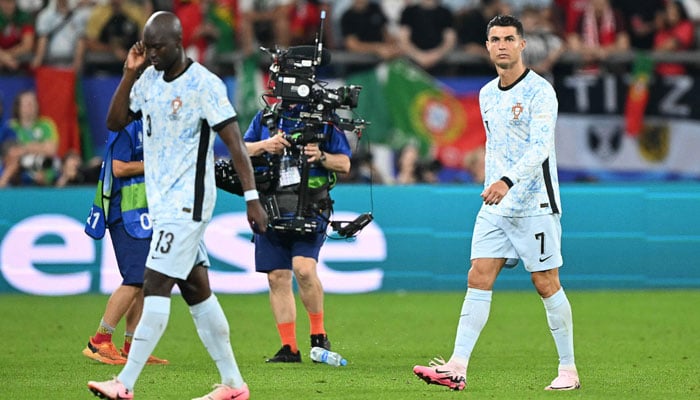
{"x": 285, "y": 355}
{"x": 225, "y": 392}
{"x": 441, "y": 373}
{"x": 112, "y": 390}
{"x": 567, "y": 380}
{"x": 105, "y": 353}
{"x": 320, "y": 340}
{"x": 152, "y": 360}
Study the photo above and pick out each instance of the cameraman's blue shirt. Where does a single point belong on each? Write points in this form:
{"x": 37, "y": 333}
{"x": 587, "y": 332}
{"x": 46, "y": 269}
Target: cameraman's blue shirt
{"x": 335, "y": 143}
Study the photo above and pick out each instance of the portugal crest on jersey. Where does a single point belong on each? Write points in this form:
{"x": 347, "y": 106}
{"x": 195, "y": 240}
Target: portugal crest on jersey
{"x": 175, "y": 105}
{"x": 517, "y": 109}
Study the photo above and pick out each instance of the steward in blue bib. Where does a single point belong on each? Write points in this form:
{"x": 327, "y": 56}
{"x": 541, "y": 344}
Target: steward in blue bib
{"x": 121, "y": 200}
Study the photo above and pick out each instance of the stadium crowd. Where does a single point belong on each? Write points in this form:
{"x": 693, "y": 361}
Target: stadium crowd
{"x": 435, "y": 35}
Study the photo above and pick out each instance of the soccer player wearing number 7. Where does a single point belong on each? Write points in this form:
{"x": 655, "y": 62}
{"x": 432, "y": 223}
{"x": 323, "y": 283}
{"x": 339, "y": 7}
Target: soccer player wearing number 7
{"x": 182, "y": 105}
{"x": 520, "y": 215}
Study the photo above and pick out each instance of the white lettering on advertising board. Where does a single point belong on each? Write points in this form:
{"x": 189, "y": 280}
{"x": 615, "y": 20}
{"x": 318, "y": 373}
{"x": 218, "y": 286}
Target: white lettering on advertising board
{"x": 227, "y": 238}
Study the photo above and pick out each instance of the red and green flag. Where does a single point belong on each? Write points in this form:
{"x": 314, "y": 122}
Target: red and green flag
{"x": 56, "y": 90}
{"x": 638, "y": 94}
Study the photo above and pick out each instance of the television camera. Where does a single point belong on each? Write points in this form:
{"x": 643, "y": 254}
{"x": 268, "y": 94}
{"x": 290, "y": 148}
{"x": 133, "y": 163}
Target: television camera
{"x": 293, "y": 83}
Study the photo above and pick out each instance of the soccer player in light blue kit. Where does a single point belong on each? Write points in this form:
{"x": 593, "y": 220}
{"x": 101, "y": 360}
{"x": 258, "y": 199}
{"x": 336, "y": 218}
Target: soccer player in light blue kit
{"x": 520, "y": 215}
{"x": 182, "y": 104}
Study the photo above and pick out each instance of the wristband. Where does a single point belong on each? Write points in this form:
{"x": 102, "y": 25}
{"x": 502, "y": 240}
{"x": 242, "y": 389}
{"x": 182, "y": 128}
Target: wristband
{"x": 251, "y": 195}
{"x": 507, "y": 181}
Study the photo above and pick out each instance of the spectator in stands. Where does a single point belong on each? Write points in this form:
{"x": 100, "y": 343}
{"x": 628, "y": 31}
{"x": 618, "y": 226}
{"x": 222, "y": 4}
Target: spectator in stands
{"x": 264, "y": 23}
{"x": 567, "y": 14}
{"x": 220, "y": 26}
{"x": 33, "y": 157}
{"x": 16, "y": 35}
{"x": 57, "y": 27}
{"x": 412, "y": 169}
{"x": 112, "y": 29}
{"x": 363, "y": 170}
{"x": 640, "y": 20}
{"x": 550, "y": 13}
{"x": 460, "y": 6}
{"x": 31, "y": 7}
{"x": 75, "y": 172}
{"x": 516, "y": 7}
{"x": 471, "y": 26}
{"x": 544, "y": 47}
{"x": 407, "y": 165}
{"x": 600, "y": 32}
{"x": 474, "y": 164}
{"x": 427, "y": 35}
{"x": 676, "y": 32}
{"x": 7, "y": 142}
{"x": 364, "y": 28}
{"x": 429, "y": 171}
{"x": 191, "y": 15}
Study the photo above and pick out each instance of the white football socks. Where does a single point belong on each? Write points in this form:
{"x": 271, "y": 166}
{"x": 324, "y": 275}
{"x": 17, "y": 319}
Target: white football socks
{"x": 213, "y": 329}
{"x": 472, "y": 319}
{"x": 561, "y": 325}
{"x": 154, "y": 319}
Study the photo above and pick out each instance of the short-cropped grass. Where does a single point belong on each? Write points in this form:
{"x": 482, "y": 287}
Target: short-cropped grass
{"x": 629, "y": 345}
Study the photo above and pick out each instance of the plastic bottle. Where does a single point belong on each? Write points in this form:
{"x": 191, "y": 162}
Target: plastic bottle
{"x": 319, "y": 354}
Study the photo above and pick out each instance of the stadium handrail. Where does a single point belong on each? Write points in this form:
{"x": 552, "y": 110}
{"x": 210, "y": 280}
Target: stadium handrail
{"x": 456, "y": 58}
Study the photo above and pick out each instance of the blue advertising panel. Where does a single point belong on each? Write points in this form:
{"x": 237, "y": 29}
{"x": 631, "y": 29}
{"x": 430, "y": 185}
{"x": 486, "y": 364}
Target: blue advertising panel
{"x": 615, "y": 236}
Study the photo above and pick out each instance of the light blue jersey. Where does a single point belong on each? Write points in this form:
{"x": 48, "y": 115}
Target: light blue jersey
{"x": 178, "y": 117}
{"x": 519, "y": 122}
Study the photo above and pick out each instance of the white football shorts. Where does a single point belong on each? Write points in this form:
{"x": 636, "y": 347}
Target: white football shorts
{"x": 177, "y": 246}
{"x": 534, "y": 240}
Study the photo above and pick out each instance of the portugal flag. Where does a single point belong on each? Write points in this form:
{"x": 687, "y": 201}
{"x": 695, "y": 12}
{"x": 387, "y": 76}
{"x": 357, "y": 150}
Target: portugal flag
{"x": 421, "y": 108}
{"x": 404, "y": 104}
{"x": 56, "y": 92}
{"x": 638, "y": 95}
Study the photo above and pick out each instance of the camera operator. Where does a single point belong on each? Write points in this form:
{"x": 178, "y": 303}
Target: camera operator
{"x": 282, "y": 252}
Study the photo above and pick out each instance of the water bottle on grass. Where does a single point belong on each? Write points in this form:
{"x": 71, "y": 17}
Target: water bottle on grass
{"x": 319, "y": 354}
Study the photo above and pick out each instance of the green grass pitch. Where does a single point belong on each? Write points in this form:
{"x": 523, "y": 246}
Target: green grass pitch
{"x": 629, "y": 345}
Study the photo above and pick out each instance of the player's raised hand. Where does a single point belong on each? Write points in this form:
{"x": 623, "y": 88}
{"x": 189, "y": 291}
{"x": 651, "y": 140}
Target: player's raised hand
{"x": 136, "y": 59}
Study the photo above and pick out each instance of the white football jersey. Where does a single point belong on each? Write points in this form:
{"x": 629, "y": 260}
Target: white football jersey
{"x": 178, "y": 117}
{"x": 519, "y": 122}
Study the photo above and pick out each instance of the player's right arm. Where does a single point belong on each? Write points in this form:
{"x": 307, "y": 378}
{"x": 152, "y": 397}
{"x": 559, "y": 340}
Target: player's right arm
{"x": 118, "y": 113}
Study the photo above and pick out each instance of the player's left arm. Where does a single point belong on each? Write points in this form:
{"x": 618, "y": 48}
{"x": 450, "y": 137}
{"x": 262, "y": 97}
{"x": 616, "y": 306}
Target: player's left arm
{"x": 218, "y": 111}
{"x": 230, "y": 134}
